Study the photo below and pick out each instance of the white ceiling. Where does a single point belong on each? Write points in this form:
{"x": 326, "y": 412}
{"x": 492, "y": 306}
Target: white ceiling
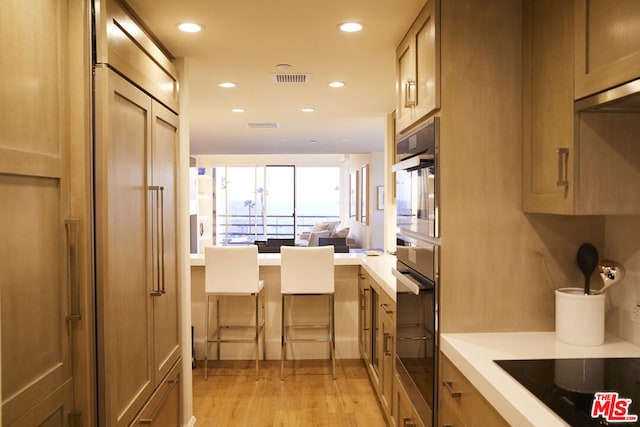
{"x": 244, "y": 40}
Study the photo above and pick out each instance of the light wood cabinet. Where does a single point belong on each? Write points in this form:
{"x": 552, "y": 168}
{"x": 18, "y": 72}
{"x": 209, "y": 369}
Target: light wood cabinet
{"x": 41, "y": 233}
{"x": 404, "y": 414}
{"x": 573, "y": 162}
{"x": 364, "y": 317}
{"x": 548, "y": 120}
{"x": 418, "y": 69}
{"x": 607, "y": 44}
{"x": 163, "y": 408}
{"x": 136, "y": 192}
{"x": 377, "y": 339}
{"x": 387, "y": 350}
{"x": 460, "y": 402}
{"x": 136, "y": 257}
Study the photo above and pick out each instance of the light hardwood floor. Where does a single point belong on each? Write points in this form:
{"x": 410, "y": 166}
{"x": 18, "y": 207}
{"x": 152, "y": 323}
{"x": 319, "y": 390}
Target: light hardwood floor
{"x": 307, "y": 397}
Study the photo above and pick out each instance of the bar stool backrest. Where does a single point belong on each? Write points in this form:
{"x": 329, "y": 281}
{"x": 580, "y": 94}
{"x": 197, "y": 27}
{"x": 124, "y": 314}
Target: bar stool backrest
{"x": 231, "y": 269}
{"x": 307, "y": 270}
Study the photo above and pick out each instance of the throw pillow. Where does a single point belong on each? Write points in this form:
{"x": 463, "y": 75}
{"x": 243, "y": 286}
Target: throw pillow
{"x": 319, "y": 226}
{"x": 344, "y": 232}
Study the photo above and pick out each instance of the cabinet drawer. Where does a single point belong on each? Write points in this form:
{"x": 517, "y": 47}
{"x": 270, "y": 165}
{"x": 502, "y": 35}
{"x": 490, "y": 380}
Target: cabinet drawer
{"x": 461, "y": 400}
{"x": 163, "y": 408}
{"x": 448, "y": 415}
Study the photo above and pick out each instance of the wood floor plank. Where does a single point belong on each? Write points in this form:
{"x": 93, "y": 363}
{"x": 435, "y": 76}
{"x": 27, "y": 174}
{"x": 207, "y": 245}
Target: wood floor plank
{"x": 308, "y": 396}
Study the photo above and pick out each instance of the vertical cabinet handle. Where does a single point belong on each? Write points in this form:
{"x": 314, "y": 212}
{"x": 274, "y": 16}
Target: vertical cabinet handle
{"x": 386, "y": 348}
{"x": 161, "y": 279}
{"x": 363, "y": 299}
{"x": 72, "y": 228}
{"x": 410, "y": 93}
{"x": 156, "y": 290}
{"x": 563, "y": 167}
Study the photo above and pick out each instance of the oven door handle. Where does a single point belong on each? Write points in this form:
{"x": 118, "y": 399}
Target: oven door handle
{"x": 415, "y": 162}
{"x": 411, "y": 284}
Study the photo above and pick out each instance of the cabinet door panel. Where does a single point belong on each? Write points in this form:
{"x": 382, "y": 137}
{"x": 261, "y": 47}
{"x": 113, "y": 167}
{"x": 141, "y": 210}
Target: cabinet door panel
{"x": 406, "y": 70}
{"x": 607, "y": 42}
{"x": 418, "y": 69}
{"x": 35, "y": 338}
{"x": 427, "y": 64}
{"x": 34, "y": 200}
{"x": 53, "y": 411}
{"x": 548, "y": 119}
{"x": 122, "y": 258}
{"x": 166, "y": 312}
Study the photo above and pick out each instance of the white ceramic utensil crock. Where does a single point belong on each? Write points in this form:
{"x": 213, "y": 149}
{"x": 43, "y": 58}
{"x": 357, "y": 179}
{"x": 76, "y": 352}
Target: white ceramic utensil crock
{"x": 579, "y": 317}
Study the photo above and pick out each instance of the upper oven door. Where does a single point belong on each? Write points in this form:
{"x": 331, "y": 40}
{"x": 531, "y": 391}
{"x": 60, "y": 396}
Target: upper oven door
{"x": 417, "y": 182}
{"x": 417, "y": 199}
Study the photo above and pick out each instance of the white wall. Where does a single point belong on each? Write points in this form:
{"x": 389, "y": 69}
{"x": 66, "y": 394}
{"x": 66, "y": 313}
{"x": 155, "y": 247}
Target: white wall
{"x": 622, "y": 244}
{"x": 373, "y": 234}
{"x": 376, "y": 228}
{"x": 184, "y": 244}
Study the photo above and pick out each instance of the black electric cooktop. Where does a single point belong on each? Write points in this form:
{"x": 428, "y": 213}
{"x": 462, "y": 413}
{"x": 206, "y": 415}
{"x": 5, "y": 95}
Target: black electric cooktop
{"x": 570, "y": 386}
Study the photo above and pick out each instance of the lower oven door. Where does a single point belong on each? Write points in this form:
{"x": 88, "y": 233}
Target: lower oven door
{"x": 416, "y": 340}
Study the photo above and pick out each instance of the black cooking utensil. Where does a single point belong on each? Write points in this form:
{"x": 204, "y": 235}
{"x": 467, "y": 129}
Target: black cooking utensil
{"x": 587, "y": 258}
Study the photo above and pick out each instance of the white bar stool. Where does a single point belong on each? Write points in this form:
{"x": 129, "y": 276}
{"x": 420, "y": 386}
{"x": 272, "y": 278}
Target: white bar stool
{"x": 307, "y": 271}
{"x": 233, "y": 271}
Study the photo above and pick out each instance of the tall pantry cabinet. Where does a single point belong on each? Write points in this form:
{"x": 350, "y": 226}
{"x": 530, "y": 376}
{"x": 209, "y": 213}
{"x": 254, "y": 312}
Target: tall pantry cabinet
{"x": 136, "y": 159}
{"x": 45, "y": 293}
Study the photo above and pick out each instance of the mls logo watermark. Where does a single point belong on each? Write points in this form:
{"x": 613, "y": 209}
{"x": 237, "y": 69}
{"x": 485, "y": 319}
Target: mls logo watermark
{"x": 613, "y": 408}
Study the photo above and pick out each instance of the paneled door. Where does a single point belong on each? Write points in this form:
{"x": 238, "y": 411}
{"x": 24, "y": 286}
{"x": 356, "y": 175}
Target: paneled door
{"x": 36, "y": 235}
{"x": 136, "y": 245}
{"x": 124, "y": 279}
{"x": 166, "y": 330}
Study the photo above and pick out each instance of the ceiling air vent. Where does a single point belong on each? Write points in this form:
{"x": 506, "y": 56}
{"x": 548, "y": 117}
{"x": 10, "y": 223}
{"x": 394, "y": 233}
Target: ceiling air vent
{"x": 266, "y": 125}
{"x": 289, "y": 78}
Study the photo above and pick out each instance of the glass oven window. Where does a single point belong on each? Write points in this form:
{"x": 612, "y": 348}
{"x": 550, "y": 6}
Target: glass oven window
{"x": 416, "y": 200}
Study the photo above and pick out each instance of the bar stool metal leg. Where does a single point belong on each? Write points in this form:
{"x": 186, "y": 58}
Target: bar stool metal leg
{"x": 206, "y": 339}
{"x": 332, "y": 335}
{"x": 283, "y": 339}
{"x": 257, "y": 336}
{"x": 264, "y": 333}
{"x": 218, "y": 327}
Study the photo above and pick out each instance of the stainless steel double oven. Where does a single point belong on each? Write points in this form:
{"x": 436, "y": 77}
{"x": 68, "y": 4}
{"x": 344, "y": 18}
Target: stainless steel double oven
{"x": 417, "y": 251}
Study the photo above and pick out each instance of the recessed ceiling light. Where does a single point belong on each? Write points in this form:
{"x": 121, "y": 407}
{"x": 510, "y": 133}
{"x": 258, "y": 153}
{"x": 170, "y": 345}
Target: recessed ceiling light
{"x": 283, "y": 66}
{"x": 308, "y": 110}
{"x": 227, "y": 84}
{"x": 190, "y": 27}
{"x": 238, "y": 110}
{"x": 313, "y": 141}
{"x": 336, "y": 84}
{"x": 350, "y": 27}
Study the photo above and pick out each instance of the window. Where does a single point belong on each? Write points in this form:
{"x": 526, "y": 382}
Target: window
{"x": 262, "y": 202}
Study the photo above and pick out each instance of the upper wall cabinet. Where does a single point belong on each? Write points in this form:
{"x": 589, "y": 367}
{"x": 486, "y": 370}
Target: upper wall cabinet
{"x": 607, "y": 44}
{"x": 418, "y": 69}
{"x": 122, "y": 43}
{"x": 577, "y": 163}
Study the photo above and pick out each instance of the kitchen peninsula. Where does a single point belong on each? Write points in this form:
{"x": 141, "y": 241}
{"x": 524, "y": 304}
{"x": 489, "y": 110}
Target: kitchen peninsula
{"x": 346, "y": 305}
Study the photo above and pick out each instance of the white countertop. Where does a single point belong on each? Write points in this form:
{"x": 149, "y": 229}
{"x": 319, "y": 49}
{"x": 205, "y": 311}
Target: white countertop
{"x": 473, "y": 354}
{"x": 378, "y": 266}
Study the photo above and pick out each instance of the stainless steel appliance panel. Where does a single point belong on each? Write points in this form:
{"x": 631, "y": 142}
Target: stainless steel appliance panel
{"x": 417, "y": 189}
{"x": 417, "y": 323}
